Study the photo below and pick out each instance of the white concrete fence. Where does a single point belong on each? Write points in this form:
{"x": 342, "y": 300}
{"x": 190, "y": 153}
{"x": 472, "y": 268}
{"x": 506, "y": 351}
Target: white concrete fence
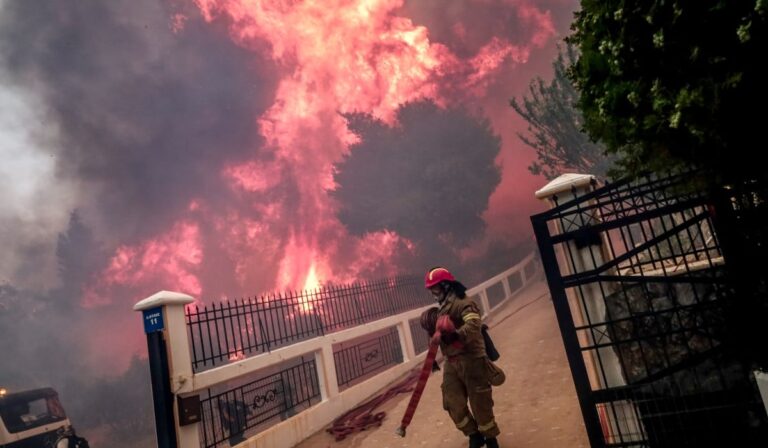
{"x": 332, "y": 400}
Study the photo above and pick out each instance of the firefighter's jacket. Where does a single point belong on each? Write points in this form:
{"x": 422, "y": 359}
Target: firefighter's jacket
{"x": 465, "y": 315}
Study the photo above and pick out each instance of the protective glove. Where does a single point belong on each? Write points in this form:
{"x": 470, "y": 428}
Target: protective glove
{"x": 445, "y": 331}
{"x": 445, "y": 325}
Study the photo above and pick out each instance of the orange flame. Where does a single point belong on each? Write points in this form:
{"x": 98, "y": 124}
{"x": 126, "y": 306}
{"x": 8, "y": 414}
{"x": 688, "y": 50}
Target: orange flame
{"x": 336, "y": 56}
{"x": 172, "y": 258}
{"x": 237, "y": 356}
{"x": 339, "y": 56}
{"x": 311, "y": 283}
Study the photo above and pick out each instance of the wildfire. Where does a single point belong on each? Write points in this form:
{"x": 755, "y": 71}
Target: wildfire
{"x": 339, "y": 56}
{"x": 172, "y": 258}
{"x": 312, "y": 282}
{"x": 237, "y": 356}
{"x": 335, "y": 56}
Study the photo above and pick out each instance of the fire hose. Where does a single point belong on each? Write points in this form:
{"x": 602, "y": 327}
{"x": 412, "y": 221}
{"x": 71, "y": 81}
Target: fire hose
{"x": 363, "y": 416}
{"x": 435, "y": 327}
{"x": 426, "y": 369}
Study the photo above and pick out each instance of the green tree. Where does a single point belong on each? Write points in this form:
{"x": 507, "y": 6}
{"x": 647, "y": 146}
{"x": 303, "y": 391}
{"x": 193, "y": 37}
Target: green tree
{"x": 555, "y": 125}
{"x": 429, "y": 178}
{"x": 669, "y": 84}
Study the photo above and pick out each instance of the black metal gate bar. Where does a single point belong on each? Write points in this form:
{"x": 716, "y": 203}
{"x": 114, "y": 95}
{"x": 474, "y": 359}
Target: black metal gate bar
{"x": 263, "y": 399}
{"x": 162, "y": 395}
{"x": 656, "y": 300}
{"x": 567, "y": 330}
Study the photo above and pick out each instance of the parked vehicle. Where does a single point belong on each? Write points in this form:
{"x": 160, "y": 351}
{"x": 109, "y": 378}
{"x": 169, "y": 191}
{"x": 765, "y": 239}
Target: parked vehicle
{"x": 32, "y": 419}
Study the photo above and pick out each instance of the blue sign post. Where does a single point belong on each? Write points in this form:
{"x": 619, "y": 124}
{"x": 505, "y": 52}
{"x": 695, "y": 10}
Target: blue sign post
{"x": 159, "y": 374}
{"x": 155, "y": 309}
{"x": 153, "y": 320}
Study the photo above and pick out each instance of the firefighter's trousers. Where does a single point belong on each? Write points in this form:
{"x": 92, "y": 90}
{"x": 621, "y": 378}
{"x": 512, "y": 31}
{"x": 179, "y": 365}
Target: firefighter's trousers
{"x": 469, "y": 379}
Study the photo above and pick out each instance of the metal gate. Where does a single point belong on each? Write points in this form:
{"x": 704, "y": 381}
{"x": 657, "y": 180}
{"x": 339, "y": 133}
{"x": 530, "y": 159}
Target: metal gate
{"x": 645, "y": 304}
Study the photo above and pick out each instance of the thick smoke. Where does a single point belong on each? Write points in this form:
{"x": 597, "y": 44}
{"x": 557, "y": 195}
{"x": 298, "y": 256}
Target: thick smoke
{"x": 142, "y": 104}
{"x": 186, "y": 146}
{"x": 536, "y": 27}
{"x": 146, "y": 117}
{"x": 466, "y": 26}
{"x": 26, "y": 171}
{"x": 428, "y": 177}
{"x": 46, "y": 340}
{"x": 141, "y": 108}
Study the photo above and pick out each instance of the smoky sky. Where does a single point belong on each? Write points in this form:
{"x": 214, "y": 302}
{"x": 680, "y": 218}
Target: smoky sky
{"x": 142, "y": 104}
{"x": 428, "y": 177}
{"x": 465, "y": 26}
{"x": 146, "y": 116}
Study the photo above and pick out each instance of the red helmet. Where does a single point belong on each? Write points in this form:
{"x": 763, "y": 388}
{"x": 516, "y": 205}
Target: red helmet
{"x": 437, "y": 275}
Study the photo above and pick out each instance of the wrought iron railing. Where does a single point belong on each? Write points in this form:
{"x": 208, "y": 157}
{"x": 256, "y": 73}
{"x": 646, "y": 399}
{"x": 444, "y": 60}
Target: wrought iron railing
{"x": 366, "y": 356}
{"x": 274, "y": 396}
{"x": 232, "y": 330}
{"x": 419, "y": 336}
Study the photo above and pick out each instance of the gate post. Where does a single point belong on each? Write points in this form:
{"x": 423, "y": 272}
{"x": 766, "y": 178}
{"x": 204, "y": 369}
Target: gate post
{"x": 566, "y": 318}
{"x": 580, "y": 258}
{"x": 170, "y": 365}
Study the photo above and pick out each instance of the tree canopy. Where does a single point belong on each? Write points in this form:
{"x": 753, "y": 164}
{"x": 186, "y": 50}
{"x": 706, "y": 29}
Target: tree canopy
{"x": 428, "y": 178}
{"x": 555, "y": 125}
{"x": 669, "y": 84}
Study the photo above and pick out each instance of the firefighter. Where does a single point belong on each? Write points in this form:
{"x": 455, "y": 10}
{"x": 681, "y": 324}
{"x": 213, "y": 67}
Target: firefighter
{"x": 468, "y": 373}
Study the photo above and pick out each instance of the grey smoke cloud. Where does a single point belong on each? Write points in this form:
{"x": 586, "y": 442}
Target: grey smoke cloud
{"x": 465, "y": 26}
{"x": 428, "y": 178}
{"x": 35, "y": 207}
{"x": 125, "y": 119}
{"x": 134, "y": 120}
{"x": 147, "y": 116}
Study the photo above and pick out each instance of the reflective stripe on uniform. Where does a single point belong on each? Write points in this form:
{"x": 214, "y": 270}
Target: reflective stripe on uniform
{"x": 463, "y": 423}
{"x": 433, "y": 271}
{"x": 487, "y": 427}
{"x": 470, "y": 316}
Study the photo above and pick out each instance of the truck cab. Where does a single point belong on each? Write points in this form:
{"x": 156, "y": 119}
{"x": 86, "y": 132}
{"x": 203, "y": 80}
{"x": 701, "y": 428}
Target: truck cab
{"x": 31, "y": 419}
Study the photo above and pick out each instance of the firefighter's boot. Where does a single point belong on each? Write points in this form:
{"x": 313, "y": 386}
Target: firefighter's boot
{"x": 476, "y": 440}
{"x": 492, "y": 443}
